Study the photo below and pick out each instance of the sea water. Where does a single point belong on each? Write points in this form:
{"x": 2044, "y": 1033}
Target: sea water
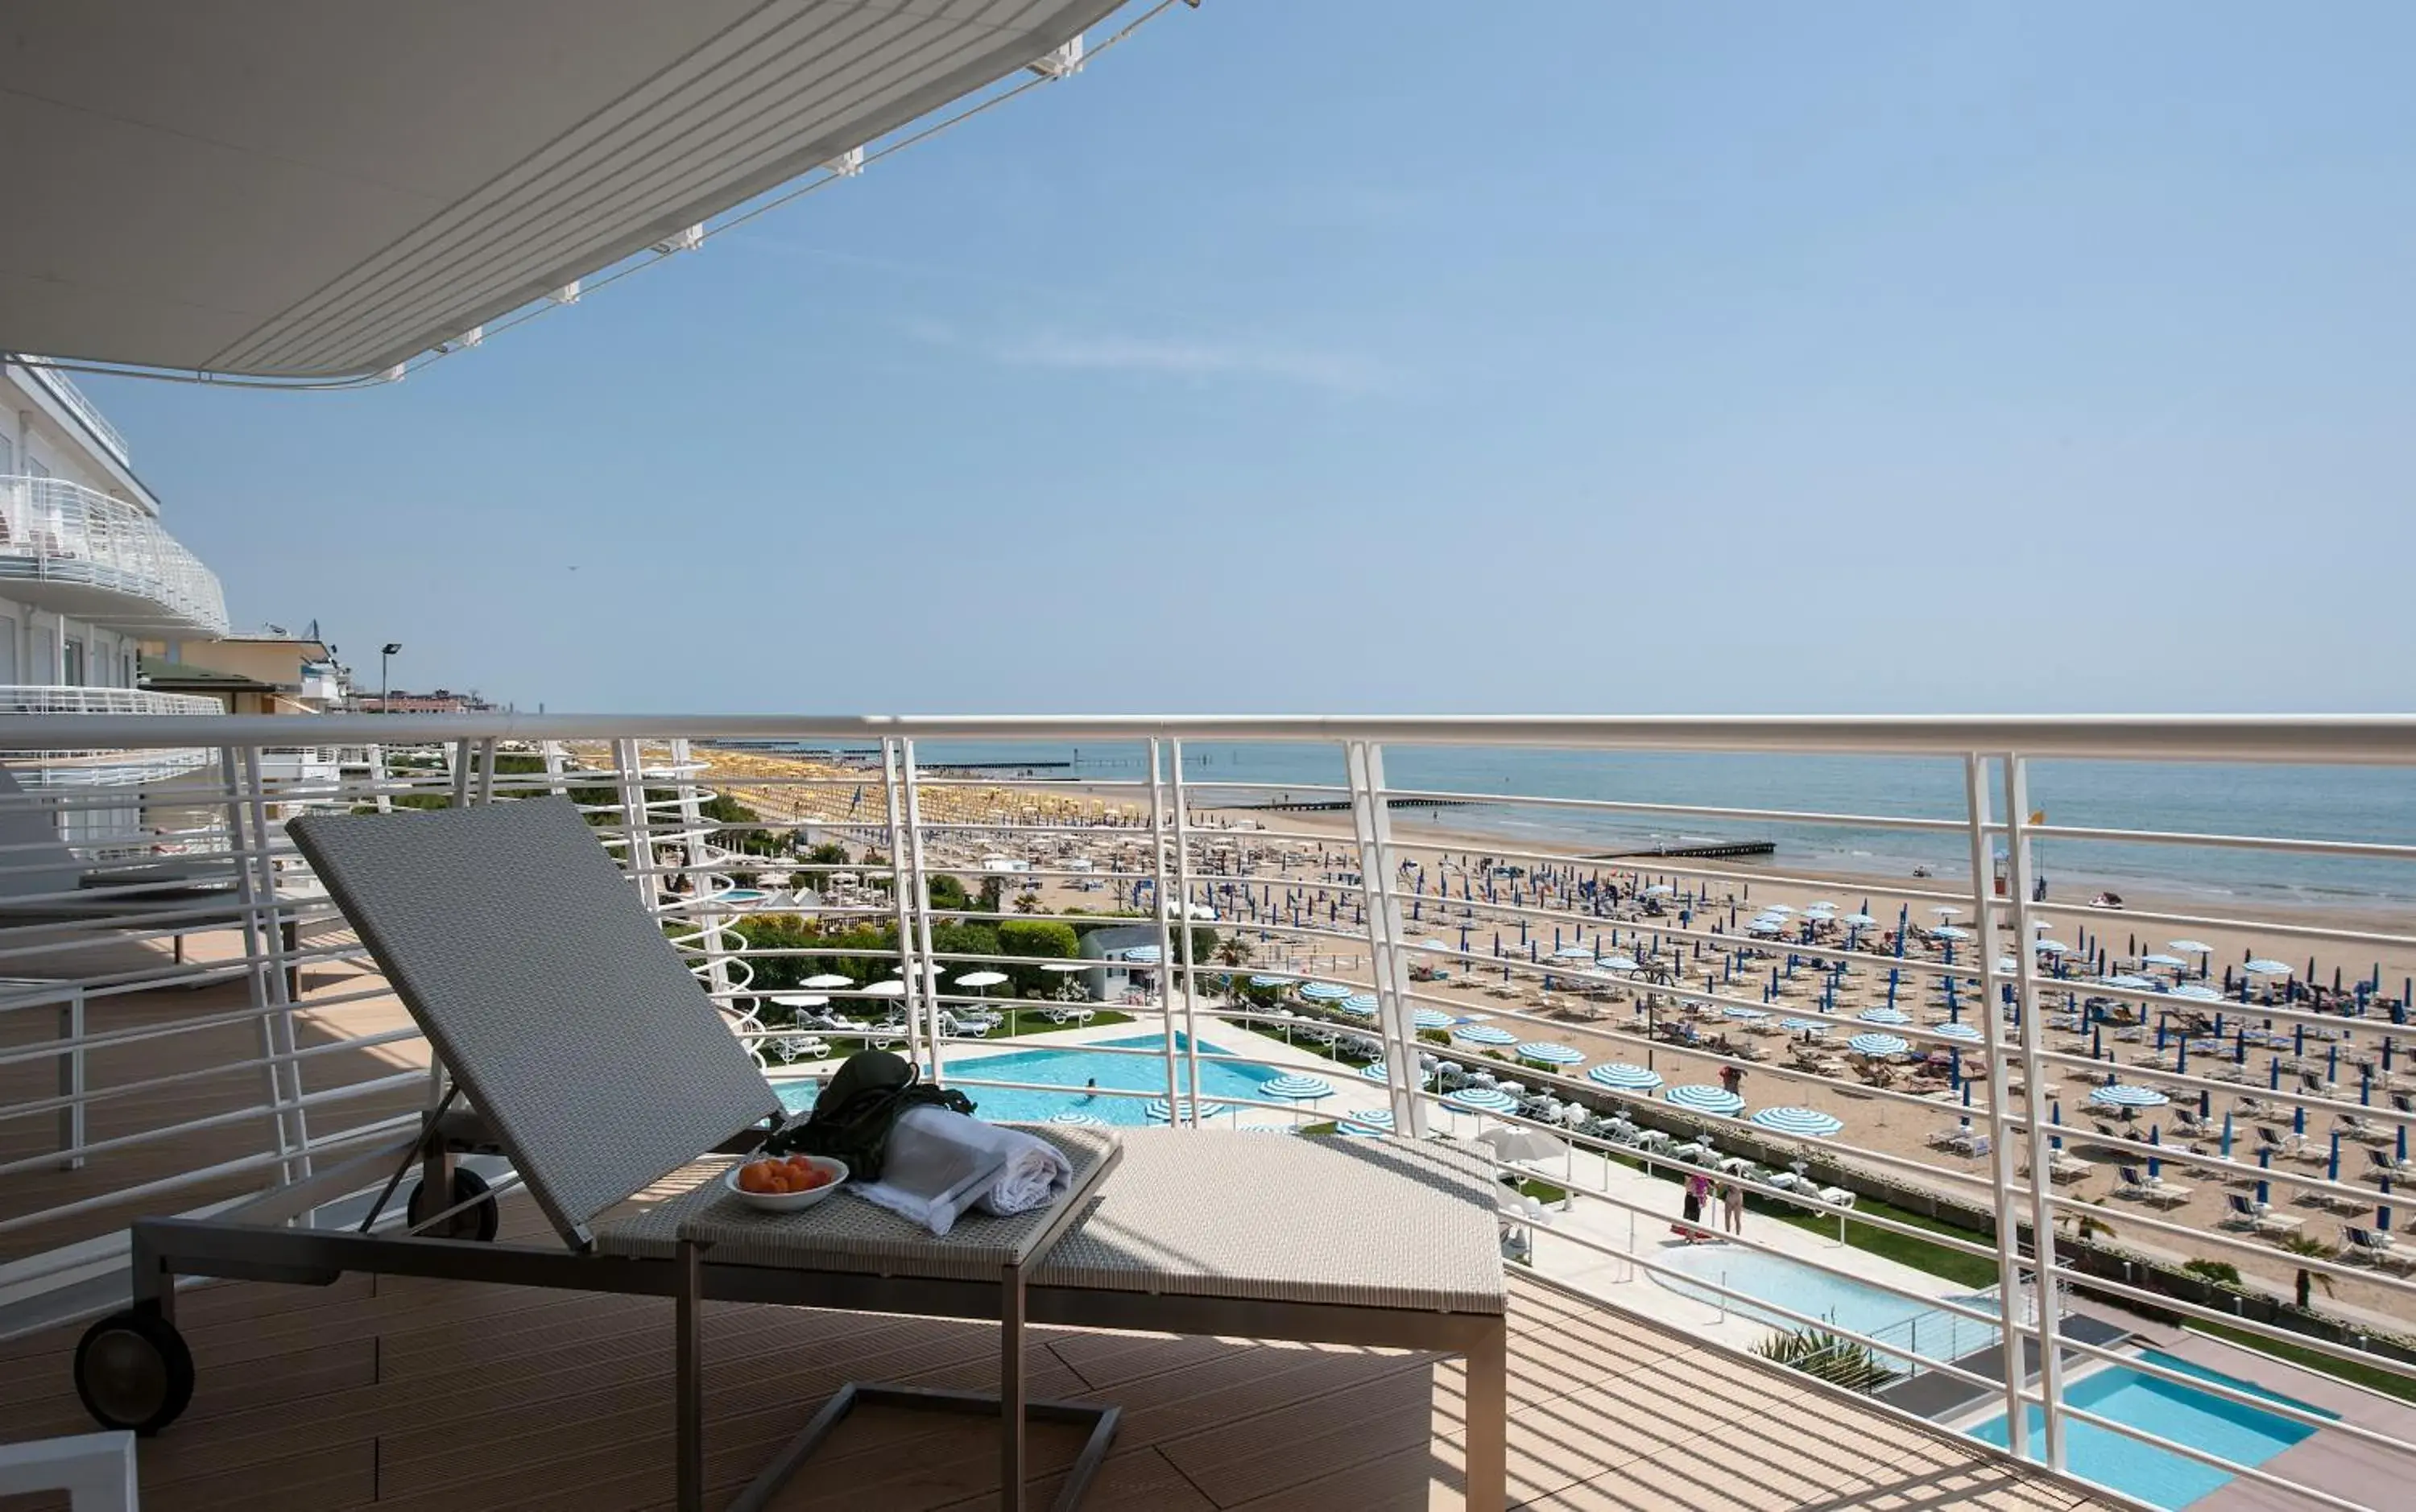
{"x": 2360, "y": 803}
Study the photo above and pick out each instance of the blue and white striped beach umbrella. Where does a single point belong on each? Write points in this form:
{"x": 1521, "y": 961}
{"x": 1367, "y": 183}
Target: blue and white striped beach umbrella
{"x": 1366, "y": 1122}
{"x": 1743, "y": 1014}
{"x": 1262, "y": 981}
{"x": 2197, "y": 992}
{"x": 1883, "y": 1015}
{"x": 1624, "y": 1076}
{"x": 1550, "y": 1053}
{"x": 1878, "y": 1044}
{"x": 1358, "y": 1005}
{"x": 1375, "y": 1072}
{"x": 1482, "y": 1100}
{"x": 1324, "y": 991}
{"x": 1804, "y": 1026}
{"x": 1299, "y": 1085}
{"x": 1483, "y": 1034}
{"x": 1079, "y": 1119}
{"x": 1957, "y": 1031}
{"x": 1949, "y": 932}
{"x": 1160, "y": 1112}
{"x": 1430, "y": 1018}
{"x": 2120, "y": 1094}
{"x": 1808, "y": 1123}
{"x": 1701, "y": 1096}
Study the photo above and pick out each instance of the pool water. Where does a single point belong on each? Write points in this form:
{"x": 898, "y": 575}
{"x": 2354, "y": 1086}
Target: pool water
{"x": 1917, "y": 1327}
{"x": 2235, "y": 1430}
{"x": 1071, "y": 1066}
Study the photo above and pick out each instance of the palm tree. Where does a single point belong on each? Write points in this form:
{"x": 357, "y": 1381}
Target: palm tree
{"x": 2307, "y": 1243}
{"x": 2086, "y": 1224}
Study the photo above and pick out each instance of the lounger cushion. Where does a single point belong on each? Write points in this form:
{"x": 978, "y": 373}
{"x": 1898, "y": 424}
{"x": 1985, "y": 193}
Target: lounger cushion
{"x": 1367, "y": 1222}
{"x": 547, "y": 988}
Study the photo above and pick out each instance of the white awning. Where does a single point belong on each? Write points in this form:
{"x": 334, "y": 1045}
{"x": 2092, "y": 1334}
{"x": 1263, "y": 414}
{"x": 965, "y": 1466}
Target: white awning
{"x": 324, "y": 188}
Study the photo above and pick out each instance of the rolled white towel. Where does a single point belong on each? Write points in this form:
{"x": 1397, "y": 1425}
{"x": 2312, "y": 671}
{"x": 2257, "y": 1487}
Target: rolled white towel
{"x": 940, "y": 1164}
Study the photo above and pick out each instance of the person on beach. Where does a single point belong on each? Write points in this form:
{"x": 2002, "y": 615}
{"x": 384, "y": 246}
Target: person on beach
{"x": 1733, "y": 1207}
{"x": 1732, "y": 1078}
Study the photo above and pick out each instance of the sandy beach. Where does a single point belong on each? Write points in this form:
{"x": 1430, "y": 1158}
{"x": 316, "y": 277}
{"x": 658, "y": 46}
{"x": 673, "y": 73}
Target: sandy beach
{"x": 1288, "y": 881}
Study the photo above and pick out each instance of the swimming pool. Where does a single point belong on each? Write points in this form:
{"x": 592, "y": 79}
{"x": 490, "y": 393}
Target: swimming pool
{"x": 1919, "y": 1329}
{"x": 1071, "y": 1066}
{"x": 2235, "y": 1430}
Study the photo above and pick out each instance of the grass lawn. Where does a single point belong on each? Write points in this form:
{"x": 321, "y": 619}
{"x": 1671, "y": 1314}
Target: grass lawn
{"x": 2371, "y": 1377}
{"x": 1974, "y": 1271}
{"x": 1027, "y": 1021}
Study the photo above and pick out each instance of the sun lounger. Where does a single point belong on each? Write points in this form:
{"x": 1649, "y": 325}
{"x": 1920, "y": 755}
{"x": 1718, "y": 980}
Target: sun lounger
{"x": 582, "y": 1049}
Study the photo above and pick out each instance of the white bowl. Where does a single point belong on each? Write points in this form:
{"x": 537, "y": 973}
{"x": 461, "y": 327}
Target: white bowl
{"x": 787, "y": 1202}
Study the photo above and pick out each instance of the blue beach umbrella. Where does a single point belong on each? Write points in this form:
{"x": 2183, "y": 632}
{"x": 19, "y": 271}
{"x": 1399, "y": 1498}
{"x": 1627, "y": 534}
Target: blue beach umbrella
{"x": 1624, "y": 1076}
{"x": 1483, "y": 1034}
{"x": 1298, "y": 1086}
{"x": 1428, "y": 1018}
{"x": 1160, "y": 1111}
{"x": 1365, "y": 1122}
{"x": 1550, "y": 1053}
{"x": 1809, "y": 1123}
{"x": 1482, "y": 1100}
{"x": 1878, "y": 1044}
{"x": 2123, "y": 1095}
{"x": 1324, "y": 991}
{"x": 1882, "y": 1016}
{"x": 1699, "y": 1097}
{"x": 1076, "y": 1118}
{"x": 1358, "y": 1005}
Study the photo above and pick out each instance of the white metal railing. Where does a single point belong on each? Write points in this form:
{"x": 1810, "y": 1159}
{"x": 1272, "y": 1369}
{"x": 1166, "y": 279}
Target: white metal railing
{"x": 63, "y": 389}
{"x": 47, "y": 699}
{"x": 56, "y": 531}
{"x": 1458, "y": 920}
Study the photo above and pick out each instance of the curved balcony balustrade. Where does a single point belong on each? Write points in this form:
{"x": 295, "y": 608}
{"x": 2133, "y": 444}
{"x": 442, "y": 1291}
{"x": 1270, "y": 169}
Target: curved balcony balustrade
{"x": 80, "y": 552}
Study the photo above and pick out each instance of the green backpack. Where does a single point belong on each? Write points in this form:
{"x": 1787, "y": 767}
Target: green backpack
{"x": 858, "y": 1108}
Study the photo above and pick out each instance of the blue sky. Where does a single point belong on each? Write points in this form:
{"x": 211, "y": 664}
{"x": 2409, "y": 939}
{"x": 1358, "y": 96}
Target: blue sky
{"x": 1360, "y": 356}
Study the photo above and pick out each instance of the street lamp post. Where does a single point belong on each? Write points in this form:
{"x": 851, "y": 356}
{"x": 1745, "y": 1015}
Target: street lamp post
{"x": 385, "y": 676}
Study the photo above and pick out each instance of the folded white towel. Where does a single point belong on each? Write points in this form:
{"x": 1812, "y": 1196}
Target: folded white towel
{"x": 940, "y": 1164}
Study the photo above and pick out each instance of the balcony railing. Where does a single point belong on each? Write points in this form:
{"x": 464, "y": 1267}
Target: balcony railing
{"x": 63, "y": 389}
{"x": 1535, "y": 926}
{"x": 50, "y": 699}
{"x": 86, "y": 554}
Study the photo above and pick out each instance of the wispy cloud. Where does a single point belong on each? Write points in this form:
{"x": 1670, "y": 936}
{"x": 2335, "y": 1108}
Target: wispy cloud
{"x": 1172, "y": 357}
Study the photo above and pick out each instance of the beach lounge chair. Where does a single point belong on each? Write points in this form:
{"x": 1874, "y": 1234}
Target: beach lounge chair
{"x": 2382, "y": 1163}
{"x": 2150, "y": 1189}
{"x": 581, "y": 1048}
{"x": 2371, "y": 1245}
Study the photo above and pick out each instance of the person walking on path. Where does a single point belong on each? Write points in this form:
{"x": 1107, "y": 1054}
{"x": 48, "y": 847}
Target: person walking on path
{"x": 1733, "y": 1207}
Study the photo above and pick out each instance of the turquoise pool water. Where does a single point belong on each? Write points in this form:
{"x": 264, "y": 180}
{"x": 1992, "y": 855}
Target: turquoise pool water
{"x": 2235, "y": 1430}
{"x": 1917, "y": 1327}
{"x": 1072, "y": 1065}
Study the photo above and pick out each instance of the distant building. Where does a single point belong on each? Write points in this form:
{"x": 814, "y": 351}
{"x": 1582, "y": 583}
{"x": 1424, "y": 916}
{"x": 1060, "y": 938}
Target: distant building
{"x": 441, "y": 701}
{"x": 251, "y": 674}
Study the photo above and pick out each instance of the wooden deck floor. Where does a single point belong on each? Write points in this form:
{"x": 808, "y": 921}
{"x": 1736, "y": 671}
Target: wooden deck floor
{"x": 413, "y": 1394}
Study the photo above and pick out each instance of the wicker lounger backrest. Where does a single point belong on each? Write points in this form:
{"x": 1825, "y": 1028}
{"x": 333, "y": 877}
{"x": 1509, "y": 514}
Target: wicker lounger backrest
{"x": 558, "y": 1006}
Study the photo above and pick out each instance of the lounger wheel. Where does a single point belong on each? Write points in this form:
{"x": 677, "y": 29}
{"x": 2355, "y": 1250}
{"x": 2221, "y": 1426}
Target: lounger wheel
{"x": 133, "y": 1371}
{"x": 479, "y": 1223}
